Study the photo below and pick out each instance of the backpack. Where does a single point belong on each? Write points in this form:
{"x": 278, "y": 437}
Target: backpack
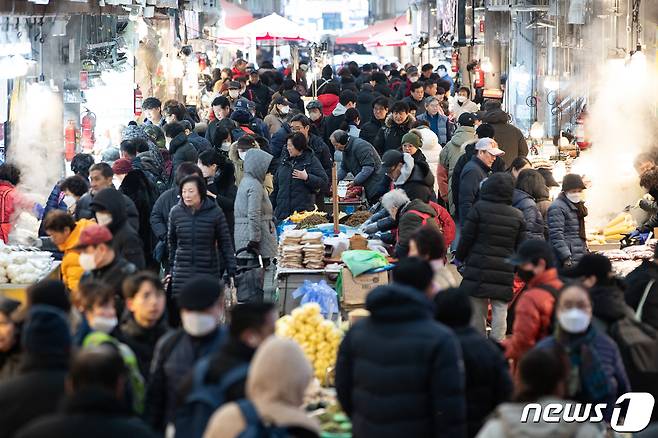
{"x": 255, "y": 427}
{"x": 238, "y": 132}
{"x": 425, "y": 217}
{"x": 511, "y": 310}
{"x": 204, "y": 399}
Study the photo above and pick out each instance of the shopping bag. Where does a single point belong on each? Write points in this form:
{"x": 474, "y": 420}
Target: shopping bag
{"x": 250, "y": 278}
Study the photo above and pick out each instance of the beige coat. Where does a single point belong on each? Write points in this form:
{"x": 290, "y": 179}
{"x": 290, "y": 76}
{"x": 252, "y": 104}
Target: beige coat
{"x": 238, "y": 164}
{"x": 277, "y": 380}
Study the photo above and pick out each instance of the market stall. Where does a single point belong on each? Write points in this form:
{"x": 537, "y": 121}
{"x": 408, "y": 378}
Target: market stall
{"x": 22, "y": 266}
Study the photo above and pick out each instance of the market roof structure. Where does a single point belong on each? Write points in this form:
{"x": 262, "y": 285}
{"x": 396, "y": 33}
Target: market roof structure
{"x": 274, "y": 26}
{"x": 360, "y": 36}
{"x": 235, "y": 16}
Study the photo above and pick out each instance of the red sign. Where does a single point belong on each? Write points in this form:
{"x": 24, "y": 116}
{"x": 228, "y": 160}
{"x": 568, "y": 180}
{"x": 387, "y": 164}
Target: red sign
{"x": 84, "y": 80}
{"x": 481, "y": 26}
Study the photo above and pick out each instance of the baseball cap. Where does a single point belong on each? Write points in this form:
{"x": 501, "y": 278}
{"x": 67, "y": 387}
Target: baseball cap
{"x": 466, "y": 119}
{"x": 314, "y": 104}
{"x": 390, "y": 159}
{"x": 530, "y": 250}
{"x": 489, "y": 145}
{"x": 591, "y": 264}
{"x": 93, "y": 235}
{"x": 241, "y": 105}
{"x": 412, "y": 70}
{"x": 235, "y": 85}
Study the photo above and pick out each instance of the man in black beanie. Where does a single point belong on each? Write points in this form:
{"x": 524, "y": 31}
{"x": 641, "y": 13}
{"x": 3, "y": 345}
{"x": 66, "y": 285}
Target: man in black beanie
{"x": 37, "y": 389}
{"x": 202, "y": 308}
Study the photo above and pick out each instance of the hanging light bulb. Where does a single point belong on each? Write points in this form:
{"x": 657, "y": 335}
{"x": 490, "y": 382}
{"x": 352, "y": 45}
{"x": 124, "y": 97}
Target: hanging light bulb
{"x": 537, "y": 130}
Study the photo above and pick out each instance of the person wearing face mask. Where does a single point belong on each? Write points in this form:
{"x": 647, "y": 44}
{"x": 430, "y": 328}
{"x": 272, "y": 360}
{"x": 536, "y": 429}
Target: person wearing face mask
{"x": 110, "y": 211}
{"x": 100, "y": 326}
{"x": 315, "y": 115}
{"x": 278, "y": 114}
{"x": 74, "y": 188}
{"x": 233, "y": 93}
{"x": 236, "y": 155}
{"x": 463, "y": 103}
{"x": 530, "y": 313}
{"x": 180, "y": 149}
{"x": 404, "y": 89}
{"x": 597, "y": 372}
{"x": 201, "y": 303}
{"x": 566, "y": 222}
{"x": 65, "y": 232}
{"x": 429, "y": 244}
{"x": 219, "y": 174}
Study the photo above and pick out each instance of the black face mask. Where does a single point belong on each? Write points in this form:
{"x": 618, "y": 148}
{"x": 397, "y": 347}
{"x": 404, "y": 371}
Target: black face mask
{"x": 525, "y": 275}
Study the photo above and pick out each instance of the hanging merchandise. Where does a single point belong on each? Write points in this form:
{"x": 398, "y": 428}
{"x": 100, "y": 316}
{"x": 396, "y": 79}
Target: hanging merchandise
{"x": 479, "y": 76}
{"x": 454, "y": 63}
{"x": 70, "y": 140}
{"x": 582, "y": 139}
{"x": 138, "y": 102}
{"x": 88, "y": 125}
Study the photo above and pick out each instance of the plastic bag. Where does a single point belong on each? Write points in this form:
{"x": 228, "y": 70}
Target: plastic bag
{"x": 320, "y": 293}
{"x": 361, "y": 260}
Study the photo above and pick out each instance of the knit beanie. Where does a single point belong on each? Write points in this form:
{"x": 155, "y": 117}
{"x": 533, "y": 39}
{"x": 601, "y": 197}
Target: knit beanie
{"x": 200, "y": 293}
{"x": 413, "y": 139}
{"x": 46, "y": 331}
{"x": 49, "y": 292}
{"x": 122, "y": 166}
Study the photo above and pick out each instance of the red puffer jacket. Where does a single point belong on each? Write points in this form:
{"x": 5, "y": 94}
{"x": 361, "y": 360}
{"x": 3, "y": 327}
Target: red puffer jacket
{"x": 533, "y": 312}
{"x": 329, "y": 102}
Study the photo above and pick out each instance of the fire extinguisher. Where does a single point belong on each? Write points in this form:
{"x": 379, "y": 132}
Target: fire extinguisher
{"x": 581, "y": 134}
{"x": 70, "y": 137}
{"x": 454, "y": 63}
{"x": 479, "y": 76}
{"x": 88, "y": 125}
{"x": 138, "y": 102}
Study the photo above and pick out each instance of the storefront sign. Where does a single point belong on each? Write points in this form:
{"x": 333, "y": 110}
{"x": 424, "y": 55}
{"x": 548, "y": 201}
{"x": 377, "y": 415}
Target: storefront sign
{"x": 84, "y": 80}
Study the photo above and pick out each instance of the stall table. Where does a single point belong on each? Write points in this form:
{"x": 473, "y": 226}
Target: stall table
{"x": 19, "y": 291}
{"x": 290, "y": 279}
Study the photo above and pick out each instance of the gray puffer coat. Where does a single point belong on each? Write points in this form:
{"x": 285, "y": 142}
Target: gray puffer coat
{"x": 253, "y": 209}
{"x": 564, "y": 231}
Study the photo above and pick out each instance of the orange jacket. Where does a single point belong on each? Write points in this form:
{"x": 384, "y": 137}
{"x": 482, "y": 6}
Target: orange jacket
{"x": 71, "y": 270}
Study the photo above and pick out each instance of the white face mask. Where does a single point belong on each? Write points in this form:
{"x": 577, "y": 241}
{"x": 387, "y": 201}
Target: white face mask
{"x": 462, "y": 99}
{"x": 574, "y": 320}
{"x": 226, "y": 146}
{"x": 242, "y": 154}
{"x": 69, "y": 201}
{"x": 413, "y": 79}
{"x": 103, "y": 218}
{"x": 233, "y": 93}
{"x": 387, "y": 73}
{"x": 574, "y": 197}
{"x": 315, "y": 115}
{"x": 103, "y": 324}
{"x": 87, "y": 262}
{"x": 197, "y": 323}
{"x": 284, "y": 109}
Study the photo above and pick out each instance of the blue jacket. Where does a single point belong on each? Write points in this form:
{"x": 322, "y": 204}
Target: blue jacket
{"x": 535, "y": 228}
{"x": 399, "y": 373}
{"x": 199, "y": 143}
{"x": 438, "y": 124}
{"x": 472, "y": 175}
{"x": 564, "y": 230}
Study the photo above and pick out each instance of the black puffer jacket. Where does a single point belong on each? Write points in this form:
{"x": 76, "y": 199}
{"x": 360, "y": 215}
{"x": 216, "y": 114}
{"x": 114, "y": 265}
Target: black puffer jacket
{"x": 224, "y": 188}
{"x": 490, "y": 235}
{"x": 142, "y": 340}
{"x": 83, "y": 210}
{"x": 399, "y": 373}
{"x": 139, "y": 189}
{"x": 160, "y": 221}
{"x": 390, "y": 137}
{"x": 294, "y": 194}
{"x": 534, "y": 221}
{"x": 608, "y": 306}
{"x": 195, "y": 237}
{"x": 125, "y": 240}
{"x": 509, "y": 137}
{"x": 636, "y": 282}
{"x": 180, "y": 151}
{"x": 370, "y": 129}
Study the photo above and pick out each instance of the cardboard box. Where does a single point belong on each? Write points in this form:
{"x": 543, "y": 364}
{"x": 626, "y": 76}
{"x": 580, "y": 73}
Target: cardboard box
{"x": 356, "y": 289}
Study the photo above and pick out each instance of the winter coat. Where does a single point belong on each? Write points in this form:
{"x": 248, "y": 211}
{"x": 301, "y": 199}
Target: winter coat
{"x": 112, "y": 275}
{"x": 200, "y": 143}
{"x": 534, "y": 222}
{"x": 450, "y": 155}
{"x": 533, "y": 314}
{"x": 294, "y": 194}
{"x": 488, "y": 381}
{"x": 370, "y": 129}
{"x": 420, "y": 106}
{"x": 10, "y": 361}
{"x": 160, "y": 218}
{"x": 70, "y": 267}
{"x": 35, "y": 392}
{"x": 253, "y": 209}
{"x": 357, "y": 155}
{"x": 636, "y": 282}
{"x": 83, "y": 210}
{"x": 274, "y": 120}
{"x": 89, "y": 412}
{"x": 334, "y": 120}
{"x": 416, "y": 179}
{"x": 278, "y": 143}
{"x": 329, "y": 103}
{"x": 142, "y": 340}
{"x": 125, "y": 240}
{"x": 509, "y": 137}
{"x": 564, "y": 231}
{"x": 195, "y": 239}
{"x": 238, "y": 166}
{"x": 364, "y": 100}
{"x": 490, "y": 235}
{"x": 261, "y": 95}
{"x": 390, "y": 136}
{"x": 224, "y": 188}
{"x": 470, "y": 179}
{"x": 505, "y": 423}
{"x": 409, "y": 222}
{"x": 139, "y": 189}
{"x": 457, "y": 109}
{"x": 438, "y": 124}
{"x": 174, "y": 357}
{"x": 398, "y": 372}
{"x": 608, "y": 306}
{"x": 321, "y": 151}
{"x": 181, "y": 150}
{"x": 227, "y": 124}
{"x": 276, "y": 382}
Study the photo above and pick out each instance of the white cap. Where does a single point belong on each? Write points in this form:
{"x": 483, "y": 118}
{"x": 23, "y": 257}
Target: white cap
{"x": 489, "y": 145}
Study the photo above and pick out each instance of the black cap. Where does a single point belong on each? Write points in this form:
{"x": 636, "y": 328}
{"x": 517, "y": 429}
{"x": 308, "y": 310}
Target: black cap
{"x": 280, "y": 100}
{"x": 234, "y": 85}
{"x": 46, "y": 331}
{"x": 532, "y": 250}
{"x": 391, "y": 158}
{"x": 200, "y": 293}
{"x": 412, "y": 70}
{"x": 572, "y": 181}
{"x": 49, "y": 292}
{"x": 466, "y": 119}
{"x": 591, "y": 264}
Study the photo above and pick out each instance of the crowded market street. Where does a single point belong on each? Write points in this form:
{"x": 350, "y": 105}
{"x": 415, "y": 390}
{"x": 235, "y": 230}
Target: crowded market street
{"x": 330, "y": 219}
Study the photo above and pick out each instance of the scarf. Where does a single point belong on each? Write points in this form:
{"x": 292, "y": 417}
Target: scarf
{"x": 587, "y": 380}
{"x": 581, "y": 212}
